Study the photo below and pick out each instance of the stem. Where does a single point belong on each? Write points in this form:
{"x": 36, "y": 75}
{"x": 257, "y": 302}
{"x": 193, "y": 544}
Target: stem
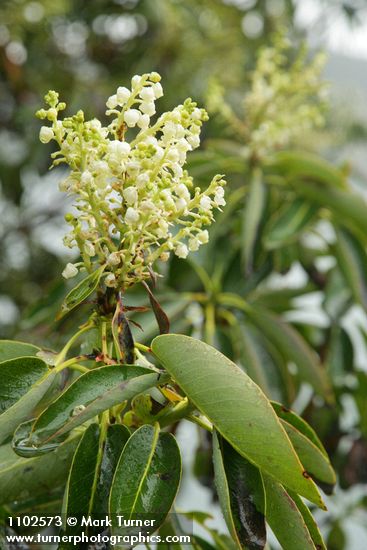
{"x": 142, "y": 347}
{"x": 61, "y": 356}
{"x": 104, "y": 423}
{"x": 176, "y": 413}
{"x": 200, "y": 422}
{"x": 72, "y": 364}
{"x": 104, "y": 338}
{"x": 233, "y": 300}
{"x": 209, "y": 323}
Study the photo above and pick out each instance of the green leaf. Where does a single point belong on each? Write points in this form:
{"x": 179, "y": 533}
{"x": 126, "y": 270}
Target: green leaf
{"x": 317, "y": 465}
{"x": 22, "y": 478}
{"x": 360, "y": 393}
{"x": 337, "y": 539}
{"x": 310, "y": 522}
{"x": 308, "y": 166}
{"x": 252, "y": 359}
{"x": 252, "y": 216}
{"x": 17, "y": 375}
{"x": 287, "y": 225}
{"x": 45, "y": 504}
{"x": 116, "y": 438}
{"x": 241, "y": 495}
{"x": 80, "y": 487}
{"x": 352, "y": 260}
{"x": 340, "y": 354}
{"x": 301, "y": 425}
{"x": 236, "y": 406}
{"x": 293, "y": 348}
{"x": 81, "y": 291}
{"x": 92, "y": 393}
{"x": 147, "y": 478}
{"x": 284, "y": 518}
{"x": 21, "y": 446}
{"x": 89, "y": 483}
{"x": 170, "y": 528}
{"x": 11, "y": 349}
{"x": 337, "y": 297}
{"x": 24, "y": 381}
{"x": 349, "y": 208}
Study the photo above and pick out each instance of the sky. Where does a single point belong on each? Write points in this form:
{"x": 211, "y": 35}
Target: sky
{"x": 338, "y": 36}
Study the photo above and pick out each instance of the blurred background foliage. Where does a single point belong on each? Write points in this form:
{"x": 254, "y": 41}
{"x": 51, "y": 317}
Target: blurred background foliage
{"x": 281, "y": 288}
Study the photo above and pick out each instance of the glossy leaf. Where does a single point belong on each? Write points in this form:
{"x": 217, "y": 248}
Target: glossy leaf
{"x": 22, "y": 478}
{"x": 81, "y": 292}
{"x": 116, "y": 438}
{"x": 315, "y": 462}
{"x": 21, "y": 446}
{"x": 24, "y": 381}
{"x": 241, "y": 495}
{"x": 293, "y": 348}
{"x": 46, "y": 504}
{"x": 17, "y": 376}
{"x": 297, "y": 422}
{"x": 252, "y": 216}
{"x": 236, "y": 406}
{"x": 146, "y": 478}
{"x": 92, "y": 393}
{"x": 284, "y": 518}
{"x": 287, "y": 226}
{"x": 352, "y": 260}
{"x": 308, "y": 166}
{"x": 79, "y": 491}
{"x": 11, "y": 349}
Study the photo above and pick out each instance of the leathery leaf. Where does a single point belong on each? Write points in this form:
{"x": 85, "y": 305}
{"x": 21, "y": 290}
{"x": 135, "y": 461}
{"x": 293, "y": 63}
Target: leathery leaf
{"x": 236, "y": 406}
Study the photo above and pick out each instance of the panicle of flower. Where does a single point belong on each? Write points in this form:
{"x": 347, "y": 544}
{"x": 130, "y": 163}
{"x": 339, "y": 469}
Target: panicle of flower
{"x": 286, "y": 99}
{"x": 134, "y": 200}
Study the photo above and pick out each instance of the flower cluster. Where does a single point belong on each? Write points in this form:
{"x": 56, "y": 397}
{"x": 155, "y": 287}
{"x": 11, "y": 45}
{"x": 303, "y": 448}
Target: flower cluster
{"x": 286, "y": 100}
{"x": 134, "y": 201}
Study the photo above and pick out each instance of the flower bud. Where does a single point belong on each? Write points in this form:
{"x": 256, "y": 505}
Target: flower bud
{"x": 130, "y": 195}
{"x": 117, "y": 147}
{"x": 203, "y": 236}
{"x": 122, "y": 94}
{"x": 111, "y": 102}
{"x": 89, "y": 249}
{"x": 69, "y": 271}
{"x": 86, "y": 178}
{"x": 147, "y": 107}
{"x": 110, "y": 280}
{"x": 114, "y": 258}
{"x": 147, "y": 94}
{"x": 131, "y": 216}
{"x": 158, "y": 90}
{"x": 182, "y": 251}
{"x": 194, "y": 244}
{"x": 143, "y": 122}
{"x": 46, "y": 134}
{"x": 131, "y": 117}
{"x": 205, "y": 203}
